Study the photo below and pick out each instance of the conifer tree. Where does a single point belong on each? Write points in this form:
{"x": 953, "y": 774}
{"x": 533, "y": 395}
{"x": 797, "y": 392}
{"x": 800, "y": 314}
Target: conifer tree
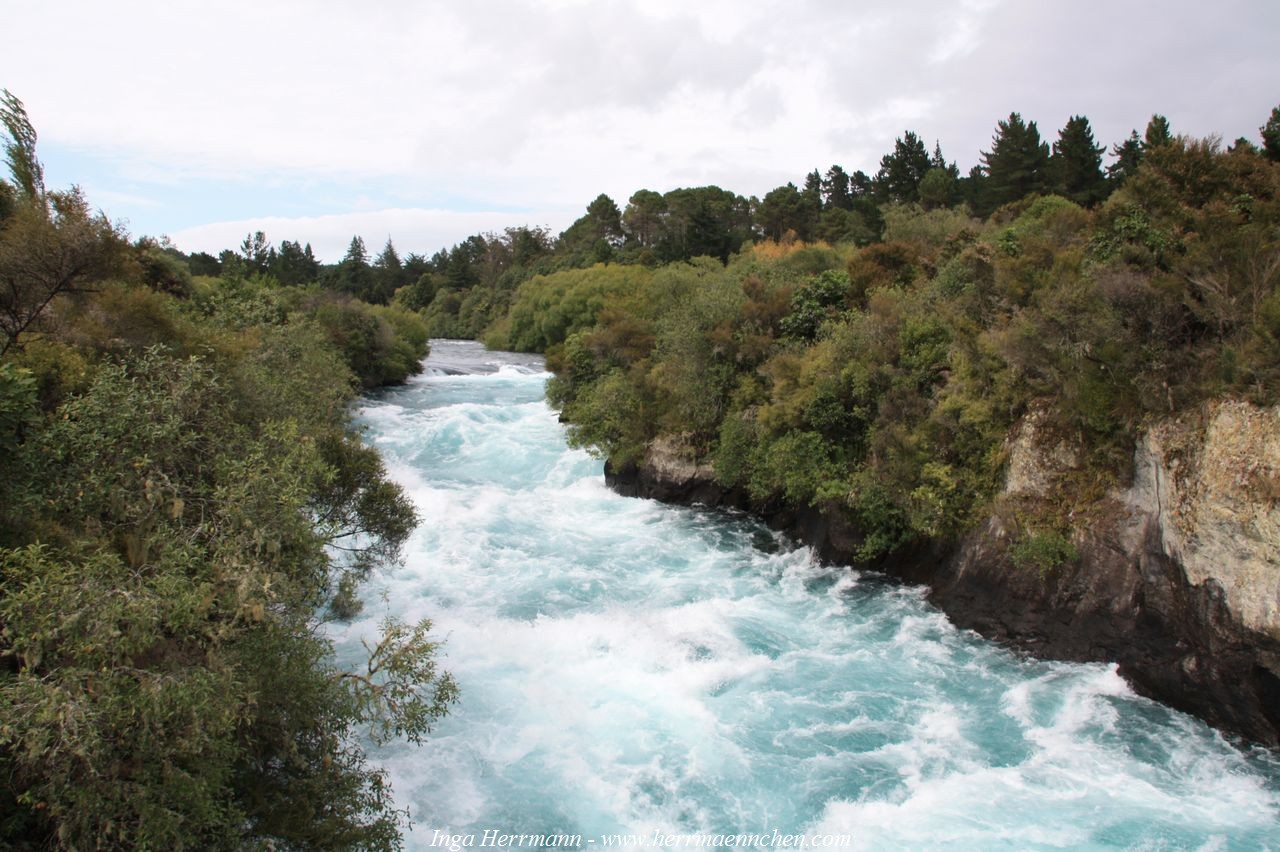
{"x": 1158, "y": 133}
{"x": 902, "y": 170}
{"x": 1271, "y": 136}
{"x": 1076, "y": 164}
{"x": 388, "y": 274}
{"x": 835, "y": 189}
{"x": 1017, "y": 164}
{"x": 1128, "y": 156}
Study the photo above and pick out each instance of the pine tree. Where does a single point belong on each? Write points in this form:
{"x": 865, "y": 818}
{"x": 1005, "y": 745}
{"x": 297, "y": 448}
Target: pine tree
{"x": 1076, "y": 164}
{"x": 1271, "y": 136}
{"x": 901, "y": 171}
{"x": 1017, "y": 164}
{"x": 1128, "y": 156}
{"x": 1158, "y": 133}
{"x": 835, "y": 189}
{"x": 388, "y": 275}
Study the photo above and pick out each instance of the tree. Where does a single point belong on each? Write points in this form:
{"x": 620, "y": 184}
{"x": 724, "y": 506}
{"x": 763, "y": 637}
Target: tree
{"x": 812, "y": 191}
{"x": 20, "y": 147}
{"x": 203, "y": 263}
{"x": 293, "y": 264}
{"x": 354, "y": 275}
{"x": 1158, "y": 133}
{"x": 595, "y": 235}
{"x": 1128, "y": 156}
{"x": 1271, "y": 136}
{"x": 783, "y": 210}
{"x": 388, "y": 275}
{"x": 835, "y": 189}
{"x": 50, "y": 251}
{"x": 937, "y": 188}
{"x": 902, "y": 170}
{"x": 1076, "y": 164}
{"x": 256, "y": 251}
{"x": 644, "y": 217}
{"x": 1017, "y": 164}
{"x": 860, "y": 184}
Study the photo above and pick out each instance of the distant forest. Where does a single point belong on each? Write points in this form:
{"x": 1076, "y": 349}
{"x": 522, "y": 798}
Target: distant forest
{"x": 463, "y": 290}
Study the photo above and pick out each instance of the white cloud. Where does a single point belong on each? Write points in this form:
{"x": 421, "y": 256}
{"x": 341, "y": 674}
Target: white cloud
{"x": 535, "y": 105}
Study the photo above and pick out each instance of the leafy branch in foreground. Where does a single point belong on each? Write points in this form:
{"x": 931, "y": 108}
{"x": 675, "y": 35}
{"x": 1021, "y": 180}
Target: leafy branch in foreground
{"x": 401, "y": 692}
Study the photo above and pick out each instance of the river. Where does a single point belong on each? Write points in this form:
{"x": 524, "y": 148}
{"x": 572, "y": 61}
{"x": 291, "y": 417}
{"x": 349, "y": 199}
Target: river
{"x": 633, "y": 668}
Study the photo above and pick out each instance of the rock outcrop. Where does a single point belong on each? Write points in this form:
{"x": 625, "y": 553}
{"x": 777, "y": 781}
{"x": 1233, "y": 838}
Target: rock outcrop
{"x": 1177, "y": 577}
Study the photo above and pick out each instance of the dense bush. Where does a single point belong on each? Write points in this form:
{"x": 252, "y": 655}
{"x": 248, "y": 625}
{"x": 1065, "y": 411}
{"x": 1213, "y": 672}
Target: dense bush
{"x": 176, "y": 477}
{"x": 886, "y": 390}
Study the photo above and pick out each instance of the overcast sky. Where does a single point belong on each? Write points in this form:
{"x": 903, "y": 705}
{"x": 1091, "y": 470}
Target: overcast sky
{"x": 429, "y": 121}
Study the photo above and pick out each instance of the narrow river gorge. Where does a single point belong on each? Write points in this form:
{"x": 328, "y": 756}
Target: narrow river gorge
{"x": 632, "y": 667}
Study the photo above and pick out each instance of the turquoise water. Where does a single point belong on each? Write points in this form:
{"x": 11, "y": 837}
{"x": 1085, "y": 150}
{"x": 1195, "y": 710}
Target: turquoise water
{"x": 630, "y": 668}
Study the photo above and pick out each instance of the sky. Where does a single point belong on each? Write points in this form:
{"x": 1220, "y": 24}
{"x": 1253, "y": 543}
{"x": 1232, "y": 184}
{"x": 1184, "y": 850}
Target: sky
{"x": 425, "y": 122}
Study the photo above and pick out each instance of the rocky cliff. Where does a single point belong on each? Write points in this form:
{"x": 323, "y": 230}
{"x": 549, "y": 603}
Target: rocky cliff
{"x": 1176, "y": 578}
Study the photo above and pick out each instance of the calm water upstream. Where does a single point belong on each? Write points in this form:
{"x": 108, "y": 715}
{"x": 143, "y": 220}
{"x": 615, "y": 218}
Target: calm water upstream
{"x": 631, "y": 668}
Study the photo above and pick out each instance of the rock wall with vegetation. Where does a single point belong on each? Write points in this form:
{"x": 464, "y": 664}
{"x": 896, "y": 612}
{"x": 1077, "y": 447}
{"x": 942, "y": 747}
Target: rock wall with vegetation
{"x": 961, "y": 405}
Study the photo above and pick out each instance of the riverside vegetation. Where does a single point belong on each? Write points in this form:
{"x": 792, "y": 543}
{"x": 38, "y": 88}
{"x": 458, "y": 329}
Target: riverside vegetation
{"x": 181, "y": 503}
{"x": 178, "y": 474}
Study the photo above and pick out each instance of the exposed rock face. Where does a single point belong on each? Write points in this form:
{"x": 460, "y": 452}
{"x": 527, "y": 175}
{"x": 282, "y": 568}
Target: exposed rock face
{"x": 1177, "y": 581}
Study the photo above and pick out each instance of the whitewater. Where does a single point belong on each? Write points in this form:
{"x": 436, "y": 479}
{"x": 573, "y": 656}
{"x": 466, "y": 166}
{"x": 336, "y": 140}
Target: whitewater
{"x": 641, "y": 675}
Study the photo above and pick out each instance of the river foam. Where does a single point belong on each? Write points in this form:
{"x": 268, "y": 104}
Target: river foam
{"x": 632, "y": 667}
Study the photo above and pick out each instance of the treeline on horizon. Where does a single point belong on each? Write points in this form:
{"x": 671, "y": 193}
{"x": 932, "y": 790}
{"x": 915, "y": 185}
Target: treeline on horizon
{"x": 866, "y": 343}
{"x": 463, "y": 290}
{"x": 183, "y": 505}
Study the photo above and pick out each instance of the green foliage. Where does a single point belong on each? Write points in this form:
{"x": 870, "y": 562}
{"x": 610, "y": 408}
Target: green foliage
{"x": 1017, "y": 164}
{"x": 187, "y": 512}
{"x": 1158, "y": 133}
{"x": 815, "y": 302}
{"x": 381, "y": 344}
{"x": 786, "y": 212}
{"x": 50, "y": 247}
{"x": 1271, "y": 136}
{"x": 1076, "y": 164}
{"x": 1043, "y": 551}
{"x": 929, "y": 229}
{"x": 887, "y": 393}
{"x": 1128, "y": 156}
{"x": 904, "y": 169}
{"x": 547, "y": 309}
{"x": 20, "y": 148}
{"x": 179, "y": 499}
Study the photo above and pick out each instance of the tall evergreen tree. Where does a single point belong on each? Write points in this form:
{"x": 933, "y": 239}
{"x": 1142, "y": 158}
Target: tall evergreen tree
{"x": 256, "y": 251}
{"x": 1128, "y": 156}
{"x": 939, "y": 187}
{"x": 1158, "y": 133}
{"x": 388, "y": 275}
{"x": 354, "y": 275}
{"x": 860, "y": 184}
{"x": 1017, "y": 164}
{"x": 1271, "y": 136}
{"x": 812, "y": 191}
{"x": 835, "y": 189}
{"x": 902, "y": 170}
{"x": 293, "y": 265}
{"x": 1076, "y": 164}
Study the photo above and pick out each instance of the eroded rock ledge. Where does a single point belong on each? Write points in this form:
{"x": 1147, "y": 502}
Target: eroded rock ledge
{"x": 1177, "y": 580}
